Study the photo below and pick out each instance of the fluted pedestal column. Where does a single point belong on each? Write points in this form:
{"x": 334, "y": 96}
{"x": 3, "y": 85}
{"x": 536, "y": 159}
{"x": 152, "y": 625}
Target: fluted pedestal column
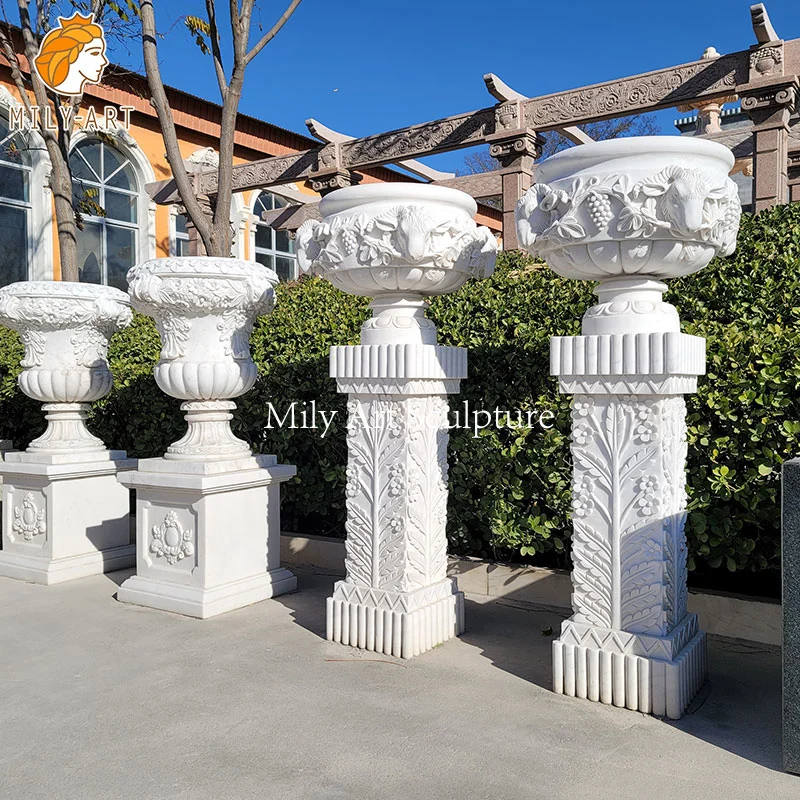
{"x": 397, "y": 598}
{"x": 630, "y": 641}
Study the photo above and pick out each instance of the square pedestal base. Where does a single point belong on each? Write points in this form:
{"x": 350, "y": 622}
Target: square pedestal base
{"x": 207, "y": 534}
{"x": 64, "y": 519}
{"x": 202, "y": 603}
{"x": 652, "y": 674}
{"x": 402, "y": 624}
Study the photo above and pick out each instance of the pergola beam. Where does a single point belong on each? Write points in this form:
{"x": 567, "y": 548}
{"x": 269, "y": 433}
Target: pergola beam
{"x": 329, "y": 136}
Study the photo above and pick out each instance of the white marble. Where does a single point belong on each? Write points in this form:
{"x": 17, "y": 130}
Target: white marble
{"x": 399, "y": 244}
{"x": 64, "y": 514}
{"x": 628, "y": 214}
{"x": 208, "y": 512}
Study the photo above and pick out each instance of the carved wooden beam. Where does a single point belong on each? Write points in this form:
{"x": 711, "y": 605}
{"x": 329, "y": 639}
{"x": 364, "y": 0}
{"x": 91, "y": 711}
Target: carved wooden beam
{"x": 330, "y": 136}
{"x": 503, "y": 93}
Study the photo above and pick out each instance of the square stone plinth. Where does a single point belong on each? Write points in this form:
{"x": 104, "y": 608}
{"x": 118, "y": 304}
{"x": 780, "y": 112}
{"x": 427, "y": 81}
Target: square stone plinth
{"x": 64, "y": 517}
{"x": 207, "y": 534}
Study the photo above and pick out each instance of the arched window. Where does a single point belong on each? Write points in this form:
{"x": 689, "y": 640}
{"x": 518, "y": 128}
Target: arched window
{"x": 106, "y": 191}
{"x": 15, "y": 206}
{"x": 274, "y": 249}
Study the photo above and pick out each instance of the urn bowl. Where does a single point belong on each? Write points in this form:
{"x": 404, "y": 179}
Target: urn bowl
{"x": 65, "y": 328}
{"x": 385, "y": 239}
{"x": 661, "y": 206}
{"x": 204, "y": 308}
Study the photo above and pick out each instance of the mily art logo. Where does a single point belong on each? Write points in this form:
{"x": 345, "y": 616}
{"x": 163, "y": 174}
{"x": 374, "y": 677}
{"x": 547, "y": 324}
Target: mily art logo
{"x": 71, "y": 55}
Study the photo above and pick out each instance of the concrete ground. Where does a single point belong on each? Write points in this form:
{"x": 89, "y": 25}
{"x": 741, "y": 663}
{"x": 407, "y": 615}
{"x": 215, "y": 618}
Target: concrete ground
{"x": 103, "y": 700}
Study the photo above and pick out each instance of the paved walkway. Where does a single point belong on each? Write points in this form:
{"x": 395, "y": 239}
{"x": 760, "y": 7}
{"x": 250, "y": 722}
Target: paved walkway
{"x": 103, "y": 700}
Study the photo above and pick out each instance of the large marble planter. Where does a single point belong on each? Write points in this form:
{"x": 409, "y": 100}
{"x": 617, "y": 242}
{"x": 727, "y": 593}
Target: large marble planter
{"x": 64, "y": 514}
{"x": 398, "y": 244}
{"x": 208, "y": 512}
{"x": 629, "y": 213}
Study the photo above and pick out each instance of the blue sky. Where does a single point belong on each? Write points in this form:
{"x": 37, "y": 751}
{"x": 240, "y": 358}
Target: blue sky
{"x": 363, "y": 67}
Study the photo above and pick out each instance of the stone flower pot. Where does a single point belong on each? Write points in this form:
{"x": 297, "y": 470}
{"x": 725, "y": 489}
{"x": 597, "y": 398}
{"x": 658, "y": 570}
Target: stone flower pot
{"x": 65, "y": 328}
{"x": 650, "y": 205}
{"x": 399, "y": 244}
{"x": 627, "y": 212}
{"x": 204, "y": 309}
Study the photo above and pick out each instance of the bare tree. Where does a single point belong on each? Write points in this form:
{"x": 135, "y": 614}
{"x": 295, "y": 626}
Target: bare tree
{"x": 637, "y": 125}
{"x": 35, "y": 21}
{"x": 212, "y": 222}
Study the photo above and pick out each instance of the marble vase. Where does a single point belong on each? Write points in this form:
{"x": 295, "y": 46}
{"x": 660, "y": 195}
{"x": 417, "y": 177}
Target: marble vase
{"x": 399, "y": 244}
{"x": 64, "y": 514}
{"x": 208, "y": 512}
{"x": 629, "y": 213}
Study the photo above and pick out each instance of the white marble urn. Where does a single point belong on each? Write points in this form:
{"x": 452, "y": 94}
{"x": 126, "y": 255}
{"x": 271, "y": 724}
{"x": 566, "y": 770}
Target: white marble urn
{"x": 398, "y": 243}
{"x": 204, "y": 308}
{"x": 627, "y": 213}
{"x": 65, "y": 329}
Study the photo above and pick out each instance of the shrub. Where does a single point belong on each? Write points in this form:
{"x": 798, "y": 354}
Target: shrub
{"x": 509, "y": 488}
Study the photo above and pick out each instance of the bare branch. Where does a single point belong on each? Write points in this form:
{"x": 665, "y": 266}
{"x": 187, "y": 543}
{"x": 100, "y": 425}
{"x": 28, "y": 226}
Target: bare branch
{"x": 272, "y": 33}
{"x": 216, "y": 53}
{"x": 168, "y": 131}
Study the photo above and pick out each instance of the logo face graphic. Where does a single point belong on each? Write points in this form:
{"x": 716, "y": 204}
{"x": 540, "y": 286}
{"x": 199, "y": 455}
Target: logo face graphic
{"x": 72, "y": 55}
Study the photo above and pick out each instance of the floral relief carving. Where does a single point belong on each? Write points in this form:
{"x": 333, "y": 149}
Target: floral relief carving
{"x": 636, "y": 92}
{"x": 621, "y": 506}
{"x": 686, "y": 205}
{"x": 29, "y": 521}
{"x": 376, "y": 488}
{"x": 405, "y": 235}
{"x": 170, "y": 540}
{"x": 427, "y": 490}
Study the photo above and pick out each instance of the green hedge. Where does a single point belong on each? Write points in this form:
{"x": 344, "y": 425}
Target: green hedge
{"x": 510, "y": 488}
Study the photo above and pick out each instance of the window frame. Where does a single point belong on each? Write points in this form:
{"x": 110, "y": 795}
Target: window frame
{"x": 26, "y": 205}
{"x": 289, "y": 255}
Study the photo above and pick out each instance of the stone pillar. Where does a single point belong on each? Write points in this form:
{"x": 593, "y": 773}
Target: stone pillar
{"x": 398, "y": 243}
{"x": 630, "y": 640}
{"x": 516, "y": 147}
{"x": 628, "y": 214}
{"x": 769, "y": 98}
{"x": 397, "y": 598}
{"x": 790, "y": 574}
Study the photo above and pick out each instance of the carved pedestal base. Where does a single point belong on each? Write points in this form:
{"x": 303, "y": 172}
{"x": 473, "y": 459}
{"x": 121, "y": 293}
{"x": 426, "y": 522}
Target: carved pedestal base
{"x": 207, "y": 535}
{"x": 402, "y": 624}
{"x": 64, "y": 517}
{"x": 653, "y": 674}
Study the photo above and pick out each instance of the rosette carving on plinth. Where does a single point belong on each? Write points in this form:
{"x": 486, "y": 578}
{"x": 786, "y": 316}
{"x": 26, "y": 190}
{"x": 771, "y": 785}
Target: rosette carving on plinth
{"x": 204, "y": 309}
{"x": 65, "y": 329}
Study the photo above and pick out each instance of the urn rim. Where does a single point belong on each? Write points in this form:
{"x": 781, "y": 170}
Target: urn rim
{"x": 653, "y": 148}
{"x": 65, "y": 290}
{"x": 204, "y": 267}
{"x": 394, "y": 194}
